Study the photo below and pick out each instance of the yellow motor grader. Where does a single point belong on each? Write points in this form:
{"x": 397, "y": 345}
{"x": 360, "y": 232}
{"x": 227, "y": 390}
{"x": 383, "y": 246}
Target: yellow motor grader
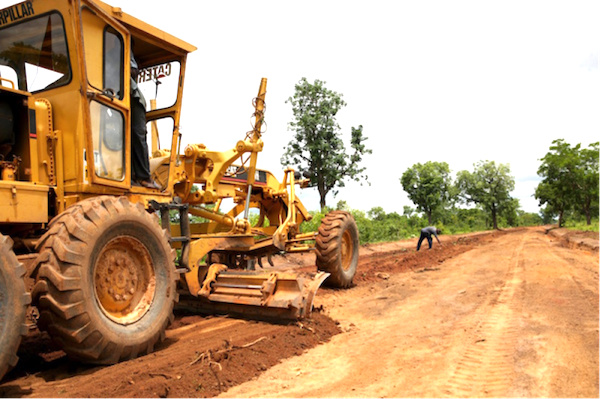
{"x": 100, "y": 261}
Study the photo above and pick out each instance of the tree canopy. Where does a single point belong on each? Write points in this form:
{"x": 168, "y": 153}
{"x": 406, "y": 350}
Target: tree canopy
{"x": 428, "y": 186}
{"x": 569, "y": 180}
{"x": 488, "y": 186}
{"x": 317, "y": 146}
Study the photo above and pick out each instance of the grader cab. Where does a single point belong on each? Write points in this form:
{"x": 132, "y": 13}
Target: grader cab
{"x": 99, "y": 261}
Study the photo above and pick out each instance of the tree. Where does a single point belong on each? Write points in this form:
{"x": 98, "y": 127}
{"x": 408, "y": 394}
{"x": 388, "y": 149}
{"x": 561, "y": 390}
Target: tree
{"x": 408, "y": 211}
{"x": 558, "y": 172}
{"x": 570, "y": 180}
{"x": 342, "y": 206}
{"x": 317, "y": 146}
{"x": 489, "y": 187}
{"x": 377, "y": 213}
{"x": 428, "y": 186}
{"x": 587, "y": 182}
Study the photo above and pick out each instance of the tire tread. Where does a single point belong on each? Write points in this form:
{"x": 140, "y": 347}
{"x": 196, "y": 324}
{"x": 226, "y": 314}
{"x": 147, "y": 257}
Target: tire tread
{"x": 15, "y": 273}
{"x": 327, "y": 247}
{"x": 58, "y": 285}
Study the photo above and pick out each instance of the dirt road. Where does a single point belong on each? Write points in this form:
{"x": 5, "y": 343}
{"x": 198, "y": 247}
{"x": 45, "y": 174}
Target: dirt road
{"x": 517, "y": 316}
{"x": 503, "y": 314}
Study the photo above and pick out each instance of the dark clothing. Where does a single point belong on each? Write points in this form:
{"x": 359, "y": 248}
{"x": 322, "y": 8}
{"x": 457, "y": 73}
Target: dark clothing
{"x": 427, "y": 232}
{"x": 430, "y": 230}
{"x": 140, "y": 164}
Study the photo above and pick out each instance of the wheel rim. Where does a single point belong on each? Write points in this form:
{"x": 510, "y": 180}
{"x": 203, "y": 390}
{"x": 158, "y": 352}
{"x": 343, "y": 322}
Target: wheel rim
{"x": 124, "y": 280}
{"x": 347, "y": 250}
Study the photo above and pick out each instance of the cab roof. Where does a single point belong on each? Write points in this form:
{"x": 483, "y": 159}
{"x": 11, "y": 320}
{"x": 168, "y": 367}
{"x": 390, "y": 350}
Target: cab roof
{"x": 146, "y": 32}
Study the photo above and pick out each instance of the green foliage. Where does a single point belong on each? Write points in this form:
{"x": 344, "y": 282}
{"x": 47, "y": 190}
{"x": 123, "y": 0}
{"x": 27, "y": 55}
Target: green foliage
{"x": 460, "y": 220}
{"x": 428, "y": 186}
{"x": 570, "y": 181}
{"x": 315, "y": 222}
{"x": 317, "y": 145}
{"x": 588, "y": 191}
{"x": 376, "y": 225}
{"x": 489, "y": 187}
{"x": 254, "y": 218}
{"x": 529, "y": 219}
{"x": 582, "y": 225}
{"x": 558, "y": 171}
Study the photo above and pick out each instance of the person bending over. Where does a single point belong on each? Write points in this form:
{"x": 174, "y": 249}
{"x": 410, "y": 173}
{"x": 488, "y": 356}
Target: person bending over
{"x": 427, "y": 232}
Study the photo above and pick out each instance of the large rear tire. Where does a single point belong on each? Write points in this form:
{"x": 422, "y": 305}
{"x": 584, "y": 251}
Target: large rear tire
{"x": 13, "y": 305}
{"x": 105, "y": 287}
{"x": 337, "y": 248}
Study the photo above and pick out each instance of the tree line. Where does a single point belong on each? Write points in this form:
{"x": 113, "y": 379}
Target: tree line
{"x": 569, "y": 185}
{"x": 376, "y": 225}
{"x": 430, "y": 187}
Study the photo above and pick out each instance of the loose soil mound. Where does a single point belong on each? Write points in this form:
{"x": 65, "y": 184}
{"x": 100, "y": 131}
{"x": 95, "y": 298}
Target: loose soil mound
{"x": 586, "y": 240}
{"x": 201, "y": 357}
{"x": 380, "y": 264}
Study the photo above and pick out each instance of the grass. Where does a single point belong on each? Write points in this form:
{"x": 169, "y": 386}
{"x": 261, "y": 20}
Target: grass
{"x": 582, "y": 226}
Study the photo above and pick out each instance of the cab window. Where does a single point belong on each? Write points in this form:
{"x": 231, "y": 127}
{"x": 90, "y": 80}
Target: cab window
{"x": 34, "y": 54}
{"x": 113, "y": 62}
{"x": 159, "y": 84}
{"x": 108, "y": 136}
{"x": 160, "y": 130}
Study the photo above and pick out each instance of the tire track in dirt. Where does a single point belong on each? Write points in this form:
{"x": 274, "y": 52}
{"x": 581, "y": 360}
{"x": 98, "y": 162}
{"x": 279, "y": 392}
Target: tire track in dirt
{"x": 561, "y": 323}
{"x": 391, "y": 327}
{"x": 491, "y": 322}
{"x": 207, "y": 326}
{"x": 485, "y": 368}
{"x": 587, "y": 295}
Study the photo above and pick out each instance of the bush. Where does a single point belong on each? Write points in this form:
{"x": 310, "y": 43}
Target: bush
{"x": 582, "y": 225}
{"x": 377, "y": 226}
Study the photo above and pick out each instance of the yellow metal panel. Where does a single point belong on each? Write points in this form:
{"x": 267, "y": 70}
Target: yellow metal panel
{"x": 23, "y": 202}
{"x": 93, "y": 29}
{"x": 204, "y": 245}
{"x": 162, "y": 38}
{"x": 44, "y": 157}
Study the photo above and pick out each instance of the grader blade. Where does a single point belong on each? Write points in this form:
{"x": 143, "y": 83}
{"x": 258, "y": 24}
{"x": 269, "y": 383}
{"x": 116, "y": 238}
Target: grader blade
{"x": 277, "y": 294}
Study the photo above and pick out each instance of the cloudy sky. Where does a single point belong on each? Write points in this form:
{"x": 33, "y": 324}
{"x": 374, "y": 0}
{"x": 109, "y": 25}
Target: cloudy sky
{"x": 451, "y": 81}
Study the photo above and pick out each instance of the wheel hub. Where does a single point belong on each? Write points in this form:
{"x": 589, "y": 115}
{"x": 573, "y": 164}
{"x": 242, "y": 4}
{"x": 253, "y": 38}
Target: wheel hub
{"x": 124, "y": 280}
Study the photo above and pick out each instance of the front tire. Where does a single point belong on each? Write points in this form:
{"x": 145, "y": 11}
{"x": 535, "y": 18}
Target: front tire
{"x": 13, "y": 305}
{"x": 337, "y": 248}
{"x": 105, "y": 287}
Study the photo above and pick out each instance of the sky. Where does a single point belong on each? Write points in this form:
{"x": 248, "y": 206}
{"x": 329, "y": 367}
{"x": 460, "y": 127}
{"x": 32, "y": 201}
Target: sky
{"x": 447, "y": 81}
